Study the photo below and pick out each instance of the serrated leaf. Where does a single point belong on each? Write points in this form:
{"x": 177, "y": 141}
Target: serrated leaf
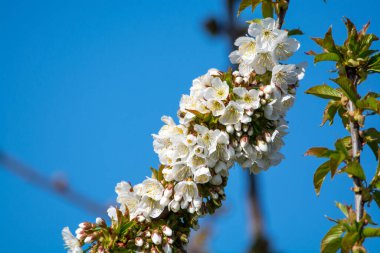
{"x": 343, "y": 208}
{"x": 295, "y": 32}
{"x": 328, "y": 41}
{"x": 319, "y": 152}
{"x": 320, "y": 175}
{"x": 267, "y": 8}
{"x": 246, "y": 3}
{"x": 326, "y": 57}
{"x": 330, "y": 112}
{"x": 347, "y": 88}
{"x": 349, "y": 240}
{"x": 371, "y": 232}
{"x": 355, "y": 169}
{"x": 369, "y": 103}
{"x": 376, "y": 197}
{"x": 324, "y": 91}
{"x": 331, "y": 242}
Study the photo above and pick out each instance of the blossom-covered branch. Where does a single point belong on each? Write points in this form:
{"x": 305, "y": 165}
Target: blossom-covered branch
{"x": 228, "y": 117}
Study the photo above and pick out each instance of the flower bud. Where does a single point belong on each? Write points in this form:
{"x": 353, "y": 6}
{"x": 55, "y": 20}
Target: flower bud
{"x": 154, "y": 250}
{"x": 237, "y": 126}
{"x": 244, "y": 141}
{"x": 268, "y": 137}
{"x": 230, "y": 129}
{"x": 246, "y": 79}
{"x": 238, "y": 80}
{"x": 235, "y": 73}
{"x": 268, "y": 89}
{"x": 214, "y": 195}
{"x": 177, "y": 197}
{"x": 249, "y": 112}
{"x": 168, "y": 191}
{"x": 88, "y": 239}
{"x": 191, "y": 209}
{"x": 174, "y": 206}
{"x": 140, "y": 218}
{"x": 170, "y": 240}
{"x": 167, "y": 248}
{"x": 156, "y": 238}
{"x": 263, "y": 146}
{"x": 139, "y": 241}
{"x": 167, "y": 231}
{"x": 267, "y": 96}
{"x": 245, "y": 127}
{"x": 263, "y": 101}
{"x": 261, "y": 93}
{"x": 216, "y": 180}
{"x": 99, "y": 221}
{"x": 250, "y": 132}
{"x": 238, "y": 134}
{"x": 85, "y": 225}
{"x": 147, "y": 234}
{"x": 197, "y": 203}
{"x": 164, "y": 201}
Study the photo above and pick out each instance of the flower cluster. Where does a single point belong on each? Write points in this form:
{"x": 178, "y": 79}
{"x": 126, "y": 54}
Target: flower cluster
{"x": 228, "y": 117}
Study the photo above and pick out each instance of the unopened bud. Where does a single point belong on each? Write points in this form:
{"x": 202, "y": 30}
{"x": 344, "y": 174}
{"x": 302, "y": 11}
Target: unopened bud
{"x": 140, "y": 218}
{"x": 100, "y": 221}
{"x": 244, "y": 141}
{"x": 167, "y": 248}
{"x": 237, "y": 126}
{"x": 249, "y": 112}
{"x": 139, "y": 241}
{"x": 168, "y": 191}
{"x": 246, "y": 79}
{"x": 268, "y": 137}
{"x": 214, "y": 195}
{"x": 263, "y": 101}
{"x": 167, "y": 231}
{"x": 230, "y": 129}
{"x": 88, "y": 239}
{"x": 184, "y": 239}
{"x": 238, "y": 134}
{"x": 216, "y": 180}
{"x": 170, "y": 240}
{"x": 85, "y": 225}
{"x": 235, "y": 73}
{"x": 245, "y": 127}
{"x": 263, "y": 146}
{"x": 156, "y": 238}
{"x": 174, "y": 206}
{"x": 261, "y": 93}
{"x": 147, "y": 234}
{"x": 238, "y": 80}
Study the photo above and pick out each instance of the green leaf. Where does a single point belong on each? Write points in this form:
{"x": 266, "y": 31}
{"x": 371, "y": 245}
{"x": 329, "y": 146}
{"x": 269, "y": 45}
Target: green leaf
{"x": 343, "y": 208}
{"x": 371, "y": 232}
{"x": 326, "y": 57}
{"x": 376, "y": 197}
{"x": 374, "y": 63}
{"x": 369, "y": 102}
{"x": 331, "y": 242}
{"x": 328, "y": 41}
{"x": 267, "y": 9}
{"x": 330, "y": 112}
{"x": 349, "y": 240}
{"x": 347, "y": 88}
{"x": 372, "y": 138}
{"x": 246, "y": 3}
{"x": 324, "y": 91}
{"x": 341, "y": 147}
{"x": 335, "y": 160}
{"x": 320, "y": 175}
{"x": 319, "y": 152}
{"x": 295, "y": 32}
{"x": 355, "y": 169}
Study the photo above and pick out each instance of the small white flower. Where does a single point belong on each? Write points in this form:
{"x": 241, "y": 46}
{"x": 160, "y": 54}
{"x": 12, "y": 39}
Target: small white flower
{"x": 216, "y": 107}
{"x": 111, "y": 211}
{"x": 218, "y": 91}
{"x": 285, "y": 47}
{"x": 283, "y": 75}
{"x": 264, "y": 60}
{"x": 167, "y": 231}
{"x": 248, "y": 99}
{"x": 127, "y": 198}
{"x": 72, "y": 244}
{"x": 232, "y": 114}
{"x": 266, "y": 33}
{"x": 139, "y": 241}
{"x": 202, "y": 175}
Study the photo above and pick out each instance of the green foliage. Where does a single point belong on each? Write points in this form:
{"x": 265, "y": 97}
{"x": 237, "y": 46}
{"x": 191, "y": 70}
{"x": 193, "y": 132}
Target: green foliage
{"x": 354, "y": 61}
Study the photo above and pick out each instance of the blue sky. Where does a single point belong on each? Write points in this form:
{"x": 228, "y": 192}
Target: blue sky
{"x": 83, "y": 84}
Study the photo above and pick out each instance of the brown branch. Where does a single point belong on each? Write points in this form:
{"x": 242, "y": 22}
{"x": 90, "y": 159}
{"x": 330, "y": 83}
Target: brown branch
{"x": 356, "y": 146}
{"x": 59, "y": 187}
{"x": 281, "y": 13}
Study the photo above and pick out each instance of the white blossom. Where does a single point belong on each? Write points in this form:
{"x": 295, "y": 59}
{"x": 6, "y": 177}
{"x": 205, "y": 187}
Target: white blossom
{"x": 232, "y": 114}
{"x": 219, "y": 90}
{"x": 72, "y": 244}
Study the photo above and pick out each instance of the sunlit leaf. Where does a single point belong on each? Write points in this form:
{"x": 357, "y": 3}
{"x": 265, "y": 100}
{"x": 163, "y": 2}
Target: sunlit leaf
{"x": 355, "y": 169}
{"x": 324, "y": 91}
{"x": 326, "y": 57}
{"x": 331, "y": 242}
{"x": 320, "y": 175}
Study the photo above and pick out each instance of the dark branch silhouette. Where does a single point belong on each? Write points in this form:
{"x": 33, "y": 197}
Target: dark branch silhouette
{"x": 57, "y": 186}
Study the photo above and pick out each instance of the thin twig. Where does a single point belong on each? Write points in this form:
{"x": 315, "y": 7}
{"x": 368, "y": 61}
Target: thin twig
{"x": 58, "y": 187}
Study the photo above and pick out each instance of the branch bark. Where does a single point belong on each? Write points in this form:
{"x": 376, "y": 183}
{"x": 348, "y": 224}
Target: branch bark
{"x": 356, "y": 146}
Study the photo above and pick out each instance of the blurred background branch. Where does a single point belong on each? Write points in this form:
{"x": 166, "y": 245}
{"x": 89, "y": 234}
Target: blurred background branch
{"x": 58, "y": 186}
